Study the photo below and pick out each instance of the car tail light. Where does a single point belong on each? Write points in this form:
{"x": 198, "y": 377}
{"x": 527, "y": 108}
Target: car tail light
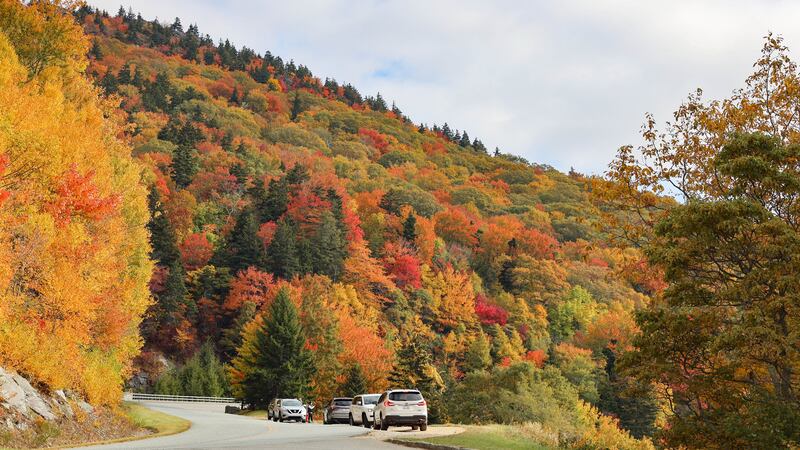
{"x": 388, "y": 403}
{"x": 422, "y": 403}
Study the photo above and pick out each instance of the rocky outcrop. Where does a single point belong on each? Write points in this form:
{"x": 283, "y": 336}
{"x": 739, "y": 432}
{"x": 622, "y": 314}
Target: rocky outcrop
{"x": 21, "y": 404}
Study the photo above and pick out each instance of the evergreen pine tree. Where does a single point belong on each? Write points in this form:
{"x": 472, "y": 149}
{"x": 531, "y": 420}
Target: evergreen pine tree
{"x": 283, "y": 366}
{"x": 272, "y": 204}
{"x": 410, "y": 228}
{"x": 464, "y": 140}
{"x": 162, "y": 235}
{"x": 397, "y": 111}
{"x": 283, "y": 259}
{"x": 478, "y": 146}
{"x": 261, "y": 74}
{"x": 354, "y": 382}
{"x": 208, "y": 57}
{"x": 138, "y": 79}
{"x": 155, "y": 97}
{"x": 446, "y": 131}
{"x": 379, "y": 104}
{"x": 227, "y": 141}
{"x": 235, "y": 96}
{"x": 328, "y": 248}
{"x": 297, "y": 106}
{"x": 305, "y": 255}
{"x": 298, "y": 174}
{"x": 240, "y": 172}
{"x": 96, "y": 53}
{"x": 232, "y": 336}
{"x": 241, "y": 150}
{"x": 176, "y": 26}
{"x": 124, "y": 76}
{"x": 184, "y": 165}
{"x": 244, "y": 246}
{"x": 110, "y": 82}
{"x": 174, "y": 293}
{"x": 214, "y": 381}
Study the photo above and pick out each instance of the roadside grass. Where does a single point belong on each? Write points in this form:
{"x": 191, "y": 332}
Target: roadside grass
{"x": 129, "y": 422}
{"x": 257, "y": 413}
{"x": 492, "y": 437}
{"x": 159, "y": 423}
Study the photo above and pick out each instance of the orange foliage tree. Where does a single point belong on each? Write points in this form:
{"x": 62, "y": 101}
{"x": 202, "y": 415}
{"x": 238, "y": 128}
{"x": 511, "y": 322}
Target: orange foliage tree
{"x": 74, "y": 264}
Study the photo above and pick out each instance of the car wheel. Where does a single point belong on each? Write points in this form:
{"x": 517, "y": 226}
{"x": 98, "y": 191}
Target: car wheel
{"x": 375, "y": 425}
{"x": 423, "y": 427}
{"x": 352, "y": 422}
{"x": 384, "y": 425}
{"x": 414, "y": 428}
{"x": 364, "y": 421}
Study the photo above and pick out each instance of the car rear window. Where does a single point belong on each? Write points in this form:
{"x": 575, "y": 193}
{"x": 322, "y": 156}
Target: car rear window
{"x": 371, "y": 399}
{"x": 405, "y": 396}
{"x": 290, "y": 403}
{"x": 342, "y": 402}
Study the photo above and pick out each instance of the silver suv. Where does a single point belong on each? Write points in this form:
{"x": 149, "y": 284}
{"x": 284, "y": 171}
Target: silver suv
{"x": 338, "y": 410}
{"x": 281, "y": 409}
{"x": 401, "y": 407}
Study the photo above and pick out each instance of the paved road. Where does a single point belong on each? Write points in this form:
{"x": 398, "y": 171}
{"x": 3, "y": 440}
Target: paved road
{"x": 212, "y": 429}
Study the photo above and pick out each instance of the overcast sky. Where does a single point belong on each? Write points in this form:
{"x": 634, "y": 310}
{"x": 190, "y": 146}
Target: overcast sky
{"x": 563, "y": 83}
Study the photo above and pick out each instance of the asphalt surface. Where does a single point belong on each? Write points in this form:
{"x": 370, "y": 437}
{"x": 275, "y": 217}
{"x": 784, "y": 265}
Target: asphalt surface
{"x": 212, "y": 429}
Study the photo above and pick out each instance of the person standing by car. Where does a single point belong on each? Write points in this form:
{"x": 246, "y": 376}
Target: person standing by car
{"x": 310, "y": 411}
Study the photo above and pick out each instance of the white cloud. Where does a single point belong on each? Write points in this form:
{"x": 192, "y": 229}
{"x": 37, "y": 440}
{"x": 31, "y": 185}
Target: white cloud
{"x": 563, "y": 83}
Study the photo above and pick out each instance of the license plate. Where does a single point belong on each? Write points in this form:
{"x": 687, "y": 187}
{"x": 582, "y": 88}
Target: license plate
{"x": 406, "y": 407}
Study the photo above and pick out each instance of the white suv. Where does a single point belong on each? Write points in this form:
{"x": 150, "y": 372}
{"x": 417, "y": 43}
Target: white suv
{"x": 401, "y": 407}
{"x": 287, "y": 409}
{"x": 362, "y": 408}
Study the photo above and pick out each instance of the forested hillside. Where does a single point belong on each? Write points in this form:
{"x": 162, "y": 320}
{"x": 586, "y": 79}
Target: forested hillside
{"x": 411, "y": 254}
{"x": 188, "y": 217}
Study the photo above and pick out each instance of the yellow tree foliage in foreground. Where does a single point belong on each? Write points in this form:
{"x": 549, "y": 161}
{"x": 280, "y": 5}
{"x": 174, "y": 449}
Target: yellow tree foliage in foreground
{"x": 74, "y": 262}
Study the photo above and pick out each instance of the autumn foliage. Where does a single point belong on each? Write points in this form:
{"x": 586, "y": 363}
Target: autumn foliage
{"x": 74, "y": 264}
{"x": 408, "y": 252}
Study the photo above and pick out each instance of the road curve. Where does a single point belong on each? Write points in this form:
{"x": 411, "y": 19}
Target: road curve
{"x": 212, "y": 429}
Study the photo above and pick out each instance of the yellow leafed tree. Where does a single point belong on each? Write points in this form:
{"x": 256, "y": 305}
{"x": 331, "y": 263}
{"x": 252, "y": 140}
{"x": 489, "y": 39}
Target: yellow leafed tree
{"x": 74, "y": 262}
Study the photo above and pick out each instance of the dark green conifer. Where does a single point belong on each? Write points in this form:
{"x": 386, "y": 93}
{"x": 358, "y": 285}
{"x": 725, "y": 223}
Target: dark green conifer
{"x": 244, "y": 246}
{"x": 184, "y": 165}
{"x": 410, "y": 228}
{"x": 329, "y": 248}
{"x": 282, "y": 365}
{"x": 282, "y": 251}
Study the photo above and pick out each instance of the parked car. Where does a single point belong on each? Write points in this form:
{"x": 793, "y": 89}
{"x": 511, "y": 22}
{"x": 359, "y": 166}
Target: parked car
{"x": 401, "y": 407}
{"x": 361, "y": 409}
{"x": 338, "y": 410}
{"x": 282, "y": 409}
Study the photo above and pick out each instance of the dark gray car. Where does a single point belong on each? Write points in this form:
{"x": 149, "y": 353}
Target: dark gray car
{"x": 337, "y": 411}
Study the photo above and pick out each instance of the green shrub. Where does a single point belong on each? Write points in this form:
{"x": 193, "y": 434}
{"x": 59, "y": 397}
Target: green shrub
{"x": 202, "y": 375}
{"x": 517, "y": 394}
